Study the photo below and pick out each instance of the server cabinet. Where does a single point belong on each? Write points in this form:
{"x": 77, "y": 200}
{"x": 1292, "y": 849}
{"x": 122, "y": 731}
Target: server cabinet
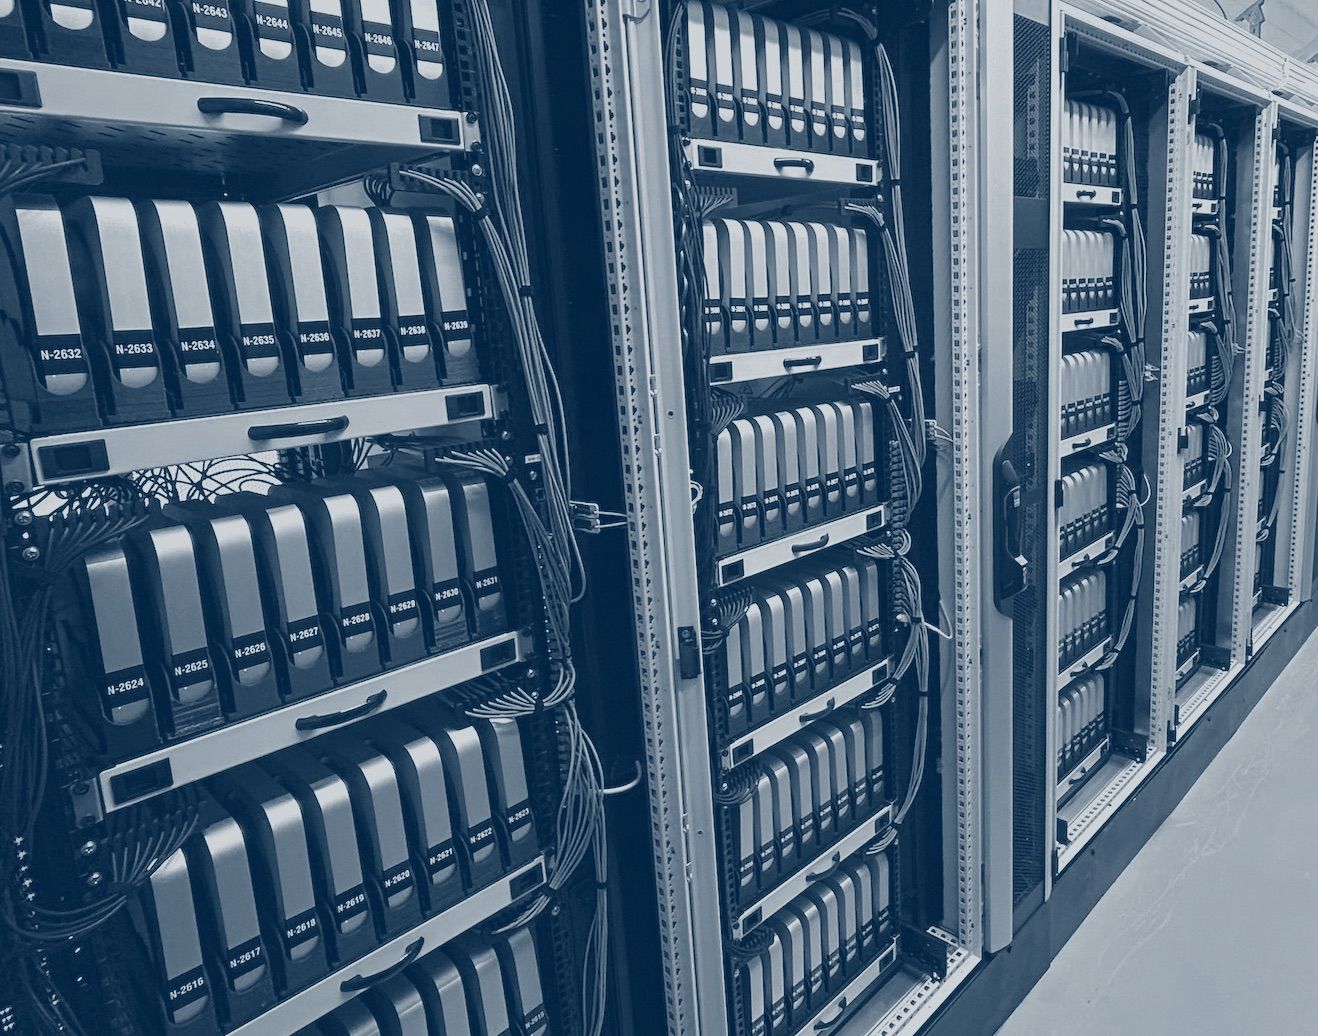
{"x": 283, "y": 738}
{"x": 1167, "y": 132}
{"x": 763, "y": 168}
{"x": 1281, "y": 573}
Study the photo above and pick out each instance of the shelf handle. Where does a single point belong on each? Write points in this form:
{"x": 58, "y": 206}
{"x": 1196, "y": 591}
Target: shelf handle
{"x": 296, "y": 429}
{"x": 333, "y": 719}
{"x": 834, "y": 862}
{"x": 252, "y": 106}
{"x": 1084, "y": 322}
{"x": 810, "y": 717}
{"x": 1086, "y": 194}
{"x": 360, "y": 982}
{"x": 825, "y": 1024}
{"x": 809, "y": 548}
{"x": 804, "y": 361}
{"x": 807, "y": 164}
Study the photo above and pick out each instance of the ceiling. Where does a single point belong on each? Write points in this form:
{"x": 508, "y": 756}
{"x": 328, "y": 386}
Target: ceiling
{"x": 1290, "y": 25}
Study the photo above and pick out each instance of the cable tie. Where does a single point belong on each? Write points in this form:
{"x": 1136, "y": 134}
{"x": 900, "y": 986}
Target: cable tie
{"x": 524, "y": 290}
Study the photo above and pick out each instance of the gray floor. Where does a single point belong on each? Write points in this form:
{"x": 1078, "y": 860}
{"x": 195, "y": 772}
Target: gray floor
{"x": 1213, "y": 929}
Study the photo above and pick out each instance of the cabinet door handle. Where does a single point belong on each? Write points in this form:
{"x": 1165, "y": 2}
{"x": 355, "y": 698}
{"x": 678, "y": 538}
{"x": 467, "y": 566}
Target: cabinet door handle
{"x": 333, "y": 719}
{"x": 252, "y": 106}
{"x": 834, "y": 862}
{"x": 810, "y": 717}
{"x": 359, "y": 982}
{"x": 808, "y": 164}
{"x": 825, "y": 1024}
{"x": 807, "y": 548}
{"x": 295, "y": 429}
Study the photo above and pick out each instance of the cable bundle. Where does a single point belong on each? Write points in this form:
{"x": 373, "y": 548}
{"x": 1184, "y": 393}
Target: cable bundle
{"x": 580, "y": 820}
{"x": 21, "y": 171}
{"x": 892, "y": 232}
{"x": 729, "y": 606}
{"x": 909, "y": 454}
{"x": 1219, "y": 450}
{"x": 915, "y": 653}
{"x": 82, "y": 520}
{"x": 1132, "y": 507}
{"x": 140, "y": 840}
{"x": 1220, "y": 377}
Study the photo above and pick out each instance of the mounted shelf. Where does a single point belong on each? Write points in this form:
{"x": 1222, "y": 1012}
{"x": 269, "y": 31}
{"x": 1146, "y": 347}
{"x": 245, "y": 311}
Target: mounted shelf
{"x": 1206, "y": 683}
{"x": 1091, "y": 195}
{"x": 206, "y": 755}
{"x": 347, "y": 983}
{"x": 762, "y": 738}
{"x": 798, "y": 359}
{"x": 1101, "y": 794}
{"x": 786, "y": 549}
{"x": 1200, "y": 307}
{"x": 1085, "y": 662}
{"x": 55, "y": 459}
{"x": 1196, "y": 402}
{"x": 1089, "y": 320}
{"x": 816, "y": 870}
{"x": 1095, "y": 438}
{"x": 728, "y": 158}
{"x": 266, "y": 144}
{"x": 1085, "y": 555}
{"x": 839, "y": 1006}
{"x": 1203, "y": 207}
{"x": 1070, "y": 783}
{"x": 1188, "y": 581}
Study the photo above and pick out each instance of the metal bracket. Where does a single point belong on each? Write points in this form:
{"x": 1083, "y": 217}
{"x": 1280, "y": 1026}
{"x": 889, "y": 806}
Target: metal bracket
{"x": 931, "y": 952}
{"x": 688, "y": 653}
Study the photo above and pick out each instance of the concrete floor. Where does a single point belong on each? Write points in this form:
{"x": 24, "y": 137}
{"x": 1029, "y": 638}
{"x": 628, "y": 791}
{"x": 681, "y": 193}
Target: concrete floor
{"x": 1213, "y": 928}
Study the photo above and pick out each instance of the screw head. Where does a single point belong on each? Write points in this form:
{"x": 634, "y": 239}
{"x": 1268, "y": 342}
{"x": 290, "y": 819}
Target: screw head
{"x": 477, "y": 169}
{"x": 95, "y": 878}
{"x": 31, "y": 553}
{"x": 81, "y": 788}
{"x": 87, "y": 848}
{"x": 471, "y": 118}
{"x": 23, "y": 518}
{"x": 13, "y": 488}
{"x": 10, "y": 450}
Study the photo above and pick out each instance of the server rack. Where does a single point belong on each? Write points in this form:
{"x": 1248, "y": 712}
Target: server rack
{"x": 696, "y": 763}
{"x": 1288, "y": 389}
{"x": 1183, "y": 619}
{"x": 1226, "y": 599}
{"x": 137, "y": 829}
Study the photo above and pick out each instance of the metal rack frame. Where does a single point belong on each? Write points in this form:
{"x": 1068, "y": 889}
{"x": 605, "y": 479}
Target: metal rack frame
{"x": 637, "y": 212}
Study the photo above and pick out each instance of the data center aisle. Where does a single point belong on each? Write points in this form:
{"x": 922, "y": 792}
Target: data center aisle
{"x": 1213, "y": 929}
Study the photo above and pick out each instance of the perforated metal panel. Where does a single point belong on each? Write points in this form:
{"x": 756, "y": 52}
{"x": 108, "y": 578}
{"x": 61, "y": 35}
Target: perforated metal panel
{"x": 1029, "y": 445}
